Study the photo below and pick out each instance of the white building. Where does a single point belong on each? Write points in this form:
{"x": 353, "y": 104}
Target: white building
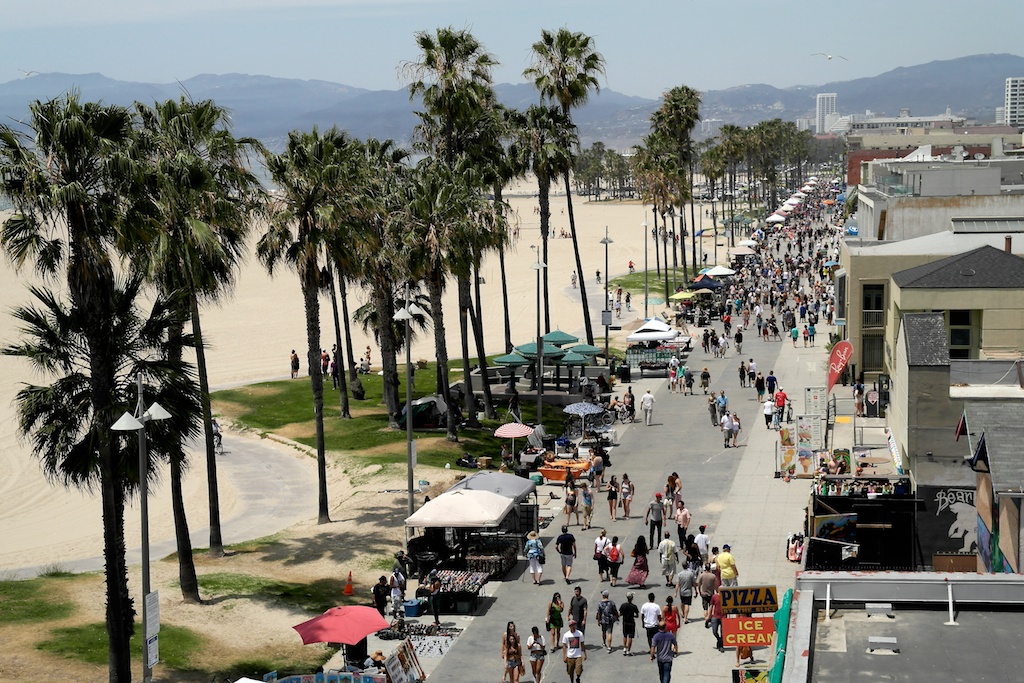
{"x": 1013, "y": 107}
{"x": 825, "y": 105}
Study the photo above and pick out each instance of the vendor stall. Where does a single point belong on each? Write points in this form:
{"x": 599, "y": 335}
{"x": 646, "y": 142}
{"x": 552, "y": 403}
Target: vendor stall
{"x": 652, "y": 346}
{"x": 460, "y": 591}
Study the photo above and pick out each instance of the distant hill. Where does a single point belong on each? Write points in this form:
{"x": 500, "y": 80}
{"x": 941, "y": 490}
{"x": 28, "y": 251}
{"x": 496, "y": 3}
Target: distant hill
{"x": 268, "y": 108}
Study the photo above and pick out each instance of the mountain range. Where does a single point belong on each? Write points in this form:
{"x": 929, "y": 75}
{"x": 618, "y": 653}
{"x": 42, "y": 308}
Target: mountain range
{"x": 268, "y": 108}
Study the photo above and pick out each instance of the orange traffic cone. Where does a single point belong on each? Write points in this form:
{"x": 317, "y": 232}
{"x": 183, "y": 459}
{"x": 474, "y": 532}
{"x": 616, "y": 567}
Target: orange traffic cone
{"x": 348, "y": 586}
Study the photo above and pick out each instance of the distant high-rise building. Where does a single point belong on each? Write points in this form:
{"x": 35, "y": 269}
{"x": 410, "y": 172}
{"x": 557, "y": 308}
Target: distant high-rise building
{"x": 825, "y": 105}
{"x": 1000, "y": 116}
{"x": 1013, "y": 107}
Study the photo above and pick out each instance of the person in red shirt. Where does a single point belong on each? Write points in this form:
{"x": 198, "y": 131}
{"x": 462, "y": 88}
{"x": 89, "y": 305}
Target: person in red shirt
{"x": 714, "y": 619}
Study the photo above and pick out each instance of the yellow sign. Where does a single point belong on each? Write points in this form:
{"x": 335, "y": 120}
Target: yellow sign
{"x": 749, "y": 599}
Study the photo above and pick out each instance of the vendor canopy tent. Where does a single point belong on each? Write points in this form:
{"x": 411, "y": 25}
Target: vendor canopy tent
{"x": 653, "y": 329}
{"x": 721, "y": 271}
{"x": 463, "y": 509}
{"x": 530, "y": 350}
{"x": 507, "y": 485}
{"x": 742, "y": 251}
{"x": 705, "y": 282}
{"x": 585, "y": 349}
{"x": 511, "y": 359}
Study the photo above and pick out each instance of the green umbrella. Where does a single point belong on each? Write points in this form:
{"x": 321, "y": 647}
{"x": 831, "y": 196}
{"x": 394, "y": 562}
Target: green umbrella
{"x": 548, "y": 350}
{"x": 585, "y": 349}
{"x": 573, "y": 358}
{"x": 512, "y": 359}
{"x": 559, "y": 338}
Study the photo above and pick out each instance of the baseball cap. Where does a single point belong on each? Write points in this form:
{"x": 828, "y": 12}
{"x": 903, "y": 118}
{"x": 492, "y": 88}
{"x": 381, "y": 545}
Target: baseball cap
{"x": 604, "y": 593}
{"x": 726, "y": 547}
{"x": 658, "y": 494}
{"x": 572, "y": 622}
{"x": 564, "y": 529}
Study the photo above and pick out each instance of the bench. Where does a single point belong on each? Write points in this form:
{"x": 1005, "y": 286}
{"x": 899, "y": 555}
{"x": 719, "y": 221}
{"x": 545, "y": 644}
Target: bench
{"x": 883, "y": 643}
{"x": 879, "y": 609}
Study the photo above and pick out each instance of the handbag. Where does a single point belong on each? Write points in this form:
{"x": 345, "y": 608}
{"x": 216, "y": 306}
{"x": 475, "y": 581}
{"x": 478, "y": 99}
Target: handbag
{"x": 543, "y": 558}
{"x": 598, "y": 556}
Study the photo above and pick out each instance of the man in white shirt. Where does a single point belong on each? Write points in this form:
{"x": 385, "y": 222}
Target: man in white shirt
{"x": 573, "y": 651}
{"x": 726, "y": 425}
{"x": 751, "y": 372}
{"x": 647, "y": 405}
{"x": 650, "y": 615}
{"x": 703, "y": 542}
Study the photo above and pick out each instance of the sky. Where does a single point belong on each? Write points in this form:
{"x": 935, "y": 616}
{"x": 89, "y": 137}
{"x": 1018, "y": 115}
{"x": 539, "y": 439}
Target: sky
{"x": 649, "y": 45}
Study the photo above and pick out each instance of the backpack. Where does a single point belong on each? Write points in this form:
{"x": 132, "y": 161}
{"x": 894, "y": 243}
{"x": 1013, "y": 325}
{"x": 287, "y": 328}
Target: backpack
{"x": 613, "y": 553}
{"x": 400, "y": 580}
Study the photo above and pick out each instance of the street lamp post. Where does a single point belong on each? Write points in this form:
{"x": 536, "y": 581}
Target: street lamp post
{"x": 137, "y": 423}
{"x": 539, "y": 372}
{"x": 606, "y": 313}
{"x": 406, "y": 314}
{"x": 647, "y": 240}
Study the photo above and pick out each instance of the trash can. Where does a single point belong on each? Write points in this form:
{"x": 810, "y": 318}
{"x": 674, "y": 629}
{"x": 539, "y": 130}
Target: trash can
{"x": 624, "y": 374}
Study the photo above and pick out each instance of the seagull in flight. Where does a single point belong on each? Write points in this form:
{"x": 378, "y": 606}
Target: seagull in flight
{"x": 29, "y": 74}
{"x": 828, "y": 57}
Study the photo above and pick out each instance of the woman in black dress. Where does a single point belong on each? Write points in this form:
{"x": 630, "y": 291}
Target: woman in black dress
{"x": 613, "y": 498}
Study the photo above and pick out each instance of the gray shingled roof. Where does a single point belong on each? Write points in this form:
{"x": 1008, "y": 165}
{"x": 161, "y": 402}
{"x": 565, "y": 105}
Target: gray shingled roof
{"x": 925, "y": 337}
{"x": 1002, "y": 424}
{"x": 983, "y": 268}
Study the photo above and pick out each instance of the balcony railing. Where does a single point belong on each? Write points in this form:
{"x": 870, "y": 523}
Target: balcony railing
{"x": 872, "y": 319}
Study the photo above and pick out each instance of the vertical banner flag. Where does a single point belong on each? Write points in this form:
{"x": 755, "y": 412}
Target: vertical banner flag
{"x": 837, "y": 360}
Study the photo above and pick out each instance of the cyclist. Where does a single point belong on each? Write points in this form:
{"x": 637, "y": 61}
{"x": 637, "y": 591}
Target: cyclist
{"x": 218, "y": 437}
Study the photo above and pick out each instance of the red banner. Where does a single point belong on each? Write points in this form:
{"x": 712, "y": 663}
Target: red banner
{"x": 837, "y": 360}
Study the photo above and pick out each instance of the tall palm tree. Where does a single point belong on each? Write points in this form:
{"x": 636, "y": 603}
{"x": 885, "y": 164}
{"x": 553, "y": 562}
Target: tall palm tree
{"x": 453, "y": 76}
{"x": 307, "y": 176}
{"x": 543, "y": 148}
{"x": 565, "y": 70}
{"x": 72, "y": 180}
{"x": 203, "y": 197}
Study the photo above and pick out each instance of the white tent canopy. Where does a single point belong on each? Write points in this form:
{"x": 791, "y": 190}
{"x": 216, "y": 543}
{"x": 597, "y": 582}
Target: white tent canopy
{"x": 653, "y": 329}
{"x": 462, "y": 509}
{"x": 720, "y": 271}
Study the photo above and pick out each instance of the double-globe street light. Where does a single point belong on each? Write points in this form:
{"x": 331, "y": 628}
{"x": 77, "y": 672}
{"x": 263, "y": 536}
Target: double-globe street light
{"x": 538, "y": 266}
{"x": 406, "y": 315}
{"x": 606, "y": 314}
{"x": 137, "y": 423}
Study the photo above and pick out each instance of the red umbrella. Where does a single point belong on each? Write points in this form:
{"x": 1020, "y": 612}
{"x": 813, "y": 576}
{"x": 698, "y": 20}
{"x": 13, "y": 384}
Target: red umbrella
{"x": 346, "y": 625}
{"x": 513, "y": 430}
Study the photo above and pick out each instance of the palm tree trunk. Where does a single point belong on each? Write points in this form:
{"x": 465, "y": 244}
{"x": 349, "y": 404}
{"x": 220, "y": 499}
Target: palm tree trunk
{"x": 120, "y": 611}
{"x": 587, "y": 322}
{"x": 504, "y": 282}
{"x": 358, "y": 392}
{"x": 693, "y": 226}
{"x": 467, "y": 379}
{"x": 544, "y": 187}
{"x": 478, "y": 335}
{"x": 342, "y": 389}
{"x": 186, "y": 565}
{"x": 212, "y": 488}
{"x": 385, "y": 306}
{"x": 664, "y": 247}
{"x": 310, "y": 297}
{"x": 657, "y": 253}
{"x": 435, "y": 287}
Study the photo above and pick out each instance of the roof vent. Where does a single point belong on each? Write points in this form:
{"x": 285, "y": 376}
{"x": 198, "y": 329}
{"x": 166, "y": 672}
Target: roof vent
{"x": 968, "y": 272}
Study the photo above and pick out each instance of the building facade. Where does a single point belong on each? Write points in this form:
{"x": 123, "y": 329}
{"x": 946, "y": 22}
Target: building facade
{"x": 1013, "y": 105}
{"x": 825, "y": 107}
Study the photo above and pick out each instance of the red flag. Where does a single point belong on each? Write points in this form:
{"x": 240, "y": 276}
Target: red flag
{"x": 837, "y": 360}
{"x": 961, "y": 425}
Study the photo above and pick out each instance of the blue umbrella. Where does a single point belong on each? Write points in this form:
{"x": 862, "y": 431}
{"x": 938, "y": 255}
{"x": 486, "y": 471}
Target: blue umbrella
{"x": 829, "y": 264}
{"x": 583, "y": 408}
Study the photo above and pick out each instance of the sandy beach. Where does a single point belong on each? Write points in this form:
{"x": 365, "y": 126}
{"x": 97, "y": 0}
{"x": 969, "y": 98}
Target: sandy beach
{"x": 251, "y": 334}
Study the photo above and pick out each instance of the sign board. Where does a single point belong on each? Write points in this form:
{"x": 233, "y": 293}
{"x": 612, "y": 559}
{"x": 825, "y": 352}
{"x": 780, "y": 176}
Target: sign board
{"x": 871, "y": 397}
{"x": 752, "y": 631}
{"x": 154, "y": 651}
{"x": 815, "y": 400}
{"x": 808, "y": 432}
{"x": 152, "y": 613}
{"x": 748, "y": 599}
{"x": 413, "y": 459}
{"x": 750, "y": 676}
{"x": 837, "y": 360}
{"x": 606, "y": 318}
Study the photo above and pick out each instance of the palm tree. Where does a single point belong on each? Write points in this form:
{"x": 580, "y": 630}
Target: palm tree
{"x": 308, "y": 177}
{"x": 565, "y": 70}
{"x": 203, "y": 196}
{"x": 543, "y": 147}
{"x": 71, "y": 180}
{"x": 453, "y": 75}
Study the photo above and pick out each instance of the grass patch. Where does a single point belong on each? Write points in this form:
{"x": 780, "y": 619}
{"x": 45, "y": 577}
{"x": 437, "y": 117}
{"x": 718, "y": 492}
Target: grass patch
{"x": 88, "y": 643}
{"x": 32, "y": 601}
{"x": 634, "y": 282}
{"x": 55, "y": 570}
{"x": 314, "y": 597}
{"x": 256, "y": 668}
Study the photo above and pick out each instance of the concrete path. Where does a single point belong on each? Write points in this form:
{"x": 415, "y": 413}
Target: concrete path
{"x": 733, "y": 491}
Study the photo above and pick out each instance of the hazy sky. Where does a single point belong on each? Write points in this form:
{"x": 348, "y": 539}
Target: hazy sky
{"x": 649, "y": 45}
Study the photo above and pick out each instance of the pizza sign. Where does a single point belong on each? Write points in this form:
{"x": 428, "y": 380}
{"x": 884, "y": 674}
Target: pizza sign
{"x": 749, "y": 599}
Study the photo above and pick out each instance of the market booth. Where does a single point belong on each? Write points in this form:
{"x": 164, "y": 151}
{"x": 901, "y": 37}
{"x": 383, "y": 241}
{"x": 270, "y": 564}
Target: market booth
{"x": 652, "y": 346}
{"x": 472, "y": 533}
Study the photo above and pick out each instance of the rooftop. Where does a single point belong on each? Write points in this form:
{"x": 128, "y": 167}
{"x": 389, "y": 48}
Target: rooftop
{"x": 925, "y": 335}
{"x": 982, "y": 268}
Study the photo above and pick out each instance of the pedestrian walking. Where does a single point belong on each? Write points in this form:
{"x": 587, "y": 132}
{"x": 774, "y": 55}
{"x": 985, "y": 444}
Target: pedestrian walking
{"x": 706, "y": 583}
{"x": 566, "y": 546}
{"x": 534, "y": 550}
{"x": 650, "y": 616}
{"x": 736, "y": 427}
{"x": 512, "y": 653}
{"x": 726, "y": 428}
{"x": 727, "y": 567}
{"x": 615, "y": 557}
{"x": 703, "y": 543}
{"x": 743, "y": 374}
{"x": 629, "y": 300}
{"x": 607, "y": 615}
{"x": 667, "y": 552}
{"x": 293, "y": 363}
{"x": 638, "y": 573}
{"x": 682, "y": 517}
{"x": 705, "y": 380}
{"x": 587, "y": 501}
{"x": 574, "y": 652}
{"x": 626, "y": 494}
{"x": 628, "y": 612}
{"x": 751, "y": 373}
{"x": 613, "y": 499}
{"x": 663, "y": 650}
{"x": 714, "y": 619}
{"x": 713, "y": 409}
{"x": 554, "y": 621}
{"x": 601, "y": 544}
{"x": 647, "y": 405}
{"x": 579, "y": 609}
{"x": 685, "y": 583}
{"x": 654, "y": 518}
{"x": 759, "y": 386}
{"x": 670, "y": 615}
{"x": 769, "y": 412}
{"x": 538, "y": 650}
{"x": 573, "y": 279}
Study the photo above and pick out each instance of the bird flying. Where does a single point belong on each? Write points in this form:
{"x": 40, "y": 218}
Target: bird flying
{"x": 828, "y": 57}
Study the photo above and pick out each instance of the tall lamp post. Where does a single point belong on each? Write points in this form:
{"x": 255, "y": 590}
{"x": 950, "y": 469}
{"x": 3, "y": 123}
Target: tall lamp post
{"x": 606, "y": 313}
{"x": 405, "y": 314}
{"x": 539, "y": 372}
{"x": 647, "y": 240}
{"x": 137, "y": 423}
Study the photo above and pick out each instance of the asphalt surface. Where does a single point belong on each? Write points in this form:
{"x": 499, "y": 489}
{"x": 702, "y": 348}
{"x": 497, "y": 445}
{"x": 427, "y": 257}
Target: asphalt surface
{"x": 732, "y": 491}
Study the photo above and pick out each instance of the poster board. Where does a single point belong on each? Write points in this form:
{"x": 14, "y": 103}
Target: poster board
{"x": 840, "y": 528}
{"x": 749, "y": 631}
{"x": 749, "y": 675}
{"x": 815, "y": 400}
{"x": 808, "y": 432}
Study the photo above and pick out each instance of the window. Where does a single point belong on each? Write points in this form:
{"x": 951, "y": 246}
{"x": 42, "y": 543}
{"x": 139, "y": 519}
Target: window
{"x": 873, "y": 308}
{"x": 873, "y": 344}
{"x": 962, "y": 334}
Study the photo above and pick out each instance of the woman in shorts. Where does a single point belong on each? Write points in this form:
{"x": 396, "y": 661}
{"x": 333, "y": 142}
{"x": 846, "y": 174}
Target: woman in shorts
{"x": 512, "y": 653}
{"x": 626, "y": 493}
{"x": 613, "y": 498}
{"x": 538, "y": 651}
